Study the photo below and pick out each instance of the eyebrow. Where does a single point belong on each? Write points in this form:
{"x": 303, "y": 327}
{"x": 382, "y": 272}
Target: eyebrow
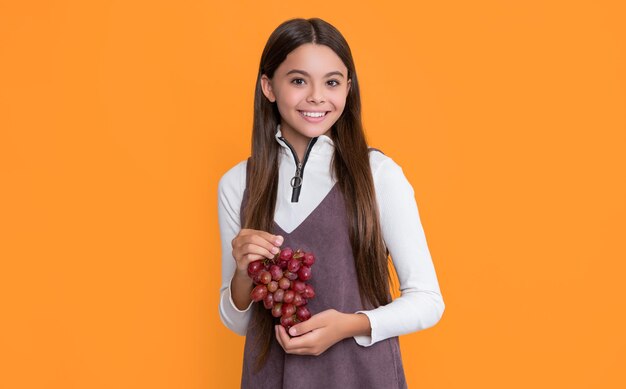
{"x": 336, "y": 72}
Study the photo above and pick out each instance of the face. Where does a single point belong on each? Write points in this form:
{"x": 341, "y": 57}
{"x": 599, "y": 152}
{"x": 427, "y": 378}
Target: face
{"x": 310, "y": 89}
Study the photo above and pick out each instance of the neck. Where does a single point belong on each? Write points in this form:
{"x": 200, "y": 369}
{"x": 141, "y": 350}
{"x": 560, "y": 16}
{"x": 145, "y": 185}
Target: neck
{"x": 298, "y": 141}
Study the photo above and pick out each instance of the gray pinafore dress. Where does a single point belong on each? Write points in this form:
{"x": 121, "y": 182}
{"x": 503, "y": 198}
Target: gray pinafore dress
{"x": 346, "y": 364}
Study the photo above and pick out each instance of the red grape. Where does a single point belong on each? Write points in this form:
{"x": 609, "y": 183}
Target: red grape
{"x": 268, "y": 301}
{"x": 304, "y": 273}
{"x": 297, "y": 286}
{"x": 265, "y": 277}
{"x": 289, "y": 295}
{"x": 309, "y": 259}
{"x": 298, "y": 300}
{"x": 288, "y": 309}
{"x": 284, "y": 283}
{"x": 287, "y": 321}
{"x": 302, "y": 313}
{"x": 279, "y": 282}
{"x": 276, "y": 272}
{"x": 309, "y": 292}
{"x": 291, "y": 276}
{"x": 272, "y": 286}
{"x": 286, "y": 254}
{"x": 255, "y": 268}
{"x": 258, "y": 293}
{"x": 277, "y": 309}
{"x": 293, "y": 265}
{"x": 278, "y": 295}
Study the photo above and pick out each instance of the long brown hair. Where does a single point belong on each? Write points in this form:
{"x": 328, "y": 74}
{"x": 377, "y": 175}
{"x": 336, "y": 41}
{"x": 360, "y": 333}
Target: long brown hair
{"x": 350, "y": 165}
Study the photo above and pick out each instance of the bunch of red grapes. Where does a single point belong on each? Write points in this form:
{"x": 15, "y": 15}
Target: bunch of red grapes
{"x": 280, "y": 284}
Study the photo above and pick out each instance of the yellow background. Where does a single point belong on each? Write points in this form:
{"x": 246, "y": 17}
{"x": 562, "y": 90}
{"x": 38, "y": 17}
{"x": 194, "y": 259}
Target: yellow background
{"x": 118, "y": 118}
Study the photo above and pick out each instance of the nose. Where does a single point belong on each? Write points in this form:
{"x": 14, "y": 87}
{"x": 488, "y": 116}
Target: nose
{"x": 316, "y": 96}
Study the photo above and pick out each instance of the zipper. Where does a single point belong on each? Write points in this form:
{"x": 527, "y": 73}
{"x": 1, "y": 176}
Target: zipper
{"x": 296, "y": 180}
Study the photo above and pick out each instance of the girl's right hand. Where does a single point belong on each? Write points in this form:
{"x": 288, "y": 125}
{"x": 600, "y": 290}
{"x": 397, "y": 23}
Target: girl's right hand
{"x": 251, "y": 245}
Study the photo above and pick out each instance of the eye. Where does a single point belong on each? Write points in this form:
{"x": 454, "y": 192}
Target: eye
{"x": 296, "y": 81}
{"x": 336, "y": 83}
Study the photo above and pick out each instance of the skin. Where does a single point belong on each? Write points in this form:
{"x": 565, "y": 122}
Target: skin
{"x": 248, "y": 246}
{"x": 323, "y": 88}
{"x": 319, "y": 85}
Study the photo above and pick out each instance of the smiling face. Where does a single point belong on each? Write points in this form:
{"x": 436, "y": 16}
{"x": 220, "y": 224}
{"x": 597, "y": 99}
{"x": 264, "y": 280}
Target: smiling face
{"x": 310, "y": 88}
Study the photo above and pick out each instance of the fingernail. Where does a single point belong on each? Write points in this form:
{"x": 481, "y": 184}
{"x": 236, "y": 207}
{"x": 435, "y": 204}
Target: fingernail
{"x": 292, "y": 331}
{"x": 275, "y": 250}
{"x": 279, "y": 240}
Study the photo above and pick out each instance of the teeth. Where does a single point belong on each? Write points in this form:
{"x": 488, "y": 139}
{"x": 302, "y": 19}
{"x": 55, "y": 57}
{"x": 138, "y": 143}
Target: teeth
{"x": 313, "y": 114}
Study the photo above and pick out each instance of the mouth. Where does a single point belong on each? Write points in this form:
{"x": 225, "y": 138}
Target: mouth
{"x": 313, "y": 114}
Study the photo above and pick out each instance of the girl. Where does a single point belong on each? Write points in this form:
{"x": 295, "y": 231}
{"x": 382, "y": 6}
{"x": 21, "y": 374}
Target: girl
{"x": 312, "y": 183}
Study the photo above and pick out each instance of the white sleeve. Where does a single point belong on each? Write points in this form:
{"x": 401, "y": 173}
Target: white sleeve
{"x": 420, "y": 304}
{"x": 230, "y": 194}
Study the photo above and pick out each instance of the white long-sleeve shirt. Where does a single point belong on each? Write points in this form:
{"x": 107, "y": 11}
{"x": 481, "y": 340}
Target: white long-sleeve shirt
{"x": 420, "y": 304}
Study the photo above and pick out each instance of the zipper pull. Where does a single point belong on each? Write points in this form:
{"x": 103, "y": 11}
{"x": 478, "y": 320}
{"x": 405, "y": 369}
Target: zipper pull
{"x": 296, "y": 180}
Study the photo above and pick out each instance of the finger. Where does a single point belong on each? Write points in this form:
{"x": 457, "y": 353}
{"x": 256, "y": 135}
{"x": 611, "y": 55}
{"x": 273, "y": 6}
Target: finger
{"x": 255, "y": 249}
{"x": 275, "y": 240}
{"x": 254, "y": 244}
{"x": 282, "y": 337}
{"x": 286, "y": 342}
{"x": 247, "y": 253}
{"x": 303, "y": 343}
{"x": 303, "y": 327}
{"x": 268, "y": 247}
{"x": 245, "y": 259}
{"x": 315, "y": 322}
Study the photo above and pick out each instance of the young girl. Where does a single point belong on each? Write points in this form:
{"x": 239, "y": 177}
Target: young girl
{"x": 312, "y": 183}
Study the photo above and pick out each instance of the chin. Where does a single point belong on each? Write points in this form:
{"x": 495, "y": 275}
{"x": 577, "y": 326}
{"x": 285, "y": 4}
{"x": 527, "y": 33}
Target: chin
{"x": 315, "y": 132}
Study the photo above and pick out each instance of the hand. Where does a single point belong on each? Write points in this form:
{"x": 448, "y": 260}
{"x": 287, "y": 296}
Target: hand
{"x": 321, "y": 331}
{"x": 251, "y": 245}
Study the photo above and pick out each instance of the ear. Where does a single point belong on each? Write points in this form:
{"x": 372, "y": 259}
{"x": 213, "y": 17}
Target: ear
{"x": 349, "y": 84}
{"x": 266, "y": 86}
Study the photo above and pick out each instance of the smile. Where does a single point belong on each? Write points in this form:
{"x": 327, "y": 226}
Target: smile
{"x": 313, "y": 114}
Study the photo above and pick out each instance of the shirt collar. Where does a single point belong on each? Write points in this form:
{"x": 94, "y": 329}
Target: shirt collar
{"x": 323, "y": 146}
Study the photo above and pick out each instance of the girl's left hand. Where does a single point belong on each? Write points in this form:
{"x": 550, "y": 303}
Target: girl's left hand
{"x": 321, "y": 331}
